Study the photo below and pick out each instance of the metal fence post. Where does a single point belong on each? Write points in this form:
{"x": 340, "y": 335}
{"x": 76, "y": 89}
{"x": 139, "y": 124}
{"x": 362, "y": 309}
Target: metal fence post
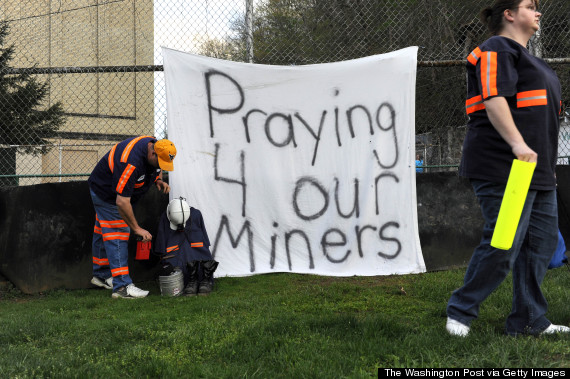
{"x": 249, "y": 30}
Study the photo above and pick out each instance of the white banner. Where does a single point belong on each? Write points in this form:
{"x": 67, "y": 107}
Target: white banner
{"x": 306, "y": 169}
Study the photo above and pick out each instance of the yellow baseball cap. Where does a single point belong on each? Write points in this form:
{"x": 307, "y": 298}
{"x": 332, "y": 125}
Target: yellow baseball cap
{"x": 166, "y": 151}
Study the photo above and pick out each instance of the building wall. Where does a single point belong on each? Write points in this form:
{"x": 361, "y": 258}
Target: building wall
{"x": 101, "y": 108}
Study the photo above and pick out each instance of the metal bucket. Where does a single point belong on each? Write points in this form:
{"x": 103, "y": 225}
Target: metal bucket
{"x": 173, "y": 284}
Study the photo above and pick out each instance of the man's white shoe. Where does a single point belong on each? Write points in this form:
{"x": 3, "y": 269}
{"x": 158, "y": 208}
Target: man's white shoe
{"x": 103, "y": 283}
{"x": 553, "y": 329}
{"x": 455, "y": 328}
{"x": 129, "y": 292}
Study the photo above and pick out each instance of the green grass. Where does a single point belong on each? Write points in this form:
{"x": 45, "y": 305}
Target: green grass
{"x": 278, "y": 326}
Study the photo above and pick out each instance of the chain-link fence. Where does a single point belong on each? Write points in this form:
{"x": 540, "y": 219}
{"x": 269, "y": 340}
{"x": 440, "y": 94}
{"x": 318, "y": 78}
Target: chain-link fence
{"x": 85, "y": 74}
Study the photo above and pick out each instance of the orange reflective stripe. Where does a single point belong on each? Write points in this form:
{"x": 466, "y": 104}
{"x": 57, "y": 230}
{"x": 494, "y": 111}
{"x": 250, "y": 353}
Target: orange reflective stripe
{"x": 474, "y": 56}
{"x": 473, "y": 100}
{"x": 101, "y": 261}
{"x": 531, "y": 98}
{"x": 112, "y": 158}
{"x": 489, "y": 73}
{"x": 116, "y": 236}
{"x": 128, "y": 149}
{"x": 125, "y": 177}
{"x": 474, "y": 104}
{"x": 120, "y": 271}
{"x": 197, "y": 244}
{"x": 130, "y": 146}
{"x": 97, "y": 227}
{"x": 171, "y": 248}
{"x": 113, "y": 224}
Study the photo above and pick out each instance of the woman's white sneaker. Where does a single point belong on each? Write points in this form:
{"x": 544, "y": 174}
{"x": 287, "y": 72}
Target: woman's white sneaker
{"x": 455, "y": 328}
{"x": 553, "y": 329}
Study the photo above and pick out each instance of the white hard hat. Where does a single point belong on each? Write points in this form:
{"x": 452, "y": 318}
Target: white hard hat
{"x": 178, "y": 212}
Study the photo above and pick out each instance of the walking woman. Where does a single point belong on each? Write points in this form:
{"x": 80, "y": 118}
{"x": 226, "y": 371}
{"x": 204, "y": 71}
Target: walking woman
{"x": 513, "y": 103}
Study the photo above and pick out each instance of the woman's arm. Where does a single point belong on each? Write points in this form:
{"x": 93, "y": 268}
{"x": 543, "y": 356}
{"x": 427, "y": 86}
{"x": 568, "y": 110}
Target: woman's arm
{"x": 500, "y": 116}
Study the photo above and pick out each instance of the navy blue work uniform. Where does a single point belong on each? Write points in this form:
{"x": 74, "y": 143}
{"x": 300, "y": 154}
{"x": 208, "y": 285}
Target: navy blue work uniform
{"x": 180, "y": 247}
{"x": 502, "y": 67}
{"x": 123, "y": 171}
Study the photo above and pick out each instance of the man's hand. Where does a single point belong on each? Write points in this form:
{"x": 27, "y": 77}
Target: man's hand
{"x": 126, "y": 211}
{"x": 144, "y": 234}
{"x": 162, "y": 186}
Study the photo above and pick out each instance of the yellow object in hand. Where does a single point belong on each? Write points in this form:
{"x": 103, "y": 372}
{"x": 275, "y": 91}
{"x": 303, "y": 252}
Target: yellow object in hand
{"x": 512, "y": 204}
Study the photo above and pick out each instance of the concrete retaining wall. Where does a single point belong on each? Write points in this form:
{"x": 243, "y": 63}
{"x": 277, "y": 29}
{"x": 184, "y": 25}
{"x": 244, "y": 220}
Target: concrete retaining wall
{"x": 46, "y": 232}
{"x": 46, "y": 229}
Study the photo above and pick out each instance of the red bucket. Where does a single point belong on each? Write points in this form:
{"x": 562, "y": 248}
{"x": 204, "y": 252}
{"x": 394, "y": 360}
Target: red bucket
{"x": 143, "y": 250}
